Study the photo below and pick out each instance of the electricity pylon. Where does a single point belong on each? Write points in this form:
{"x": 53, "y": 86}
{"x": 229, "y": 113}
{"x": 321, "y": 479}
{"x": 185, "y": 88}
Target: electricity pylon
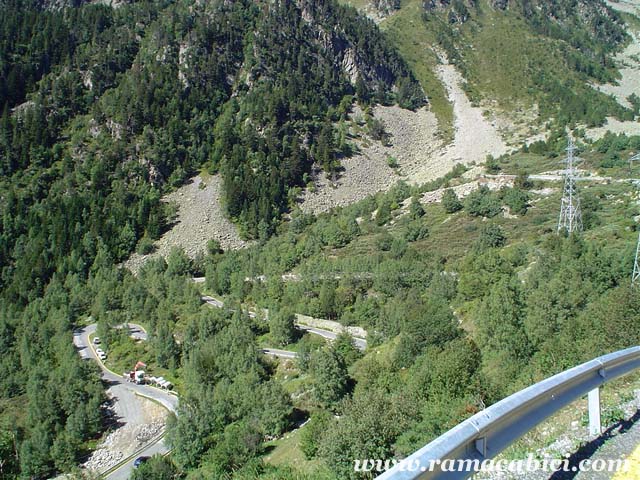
{"x": 570, "y": 215}
{"x": 636, "y": 268}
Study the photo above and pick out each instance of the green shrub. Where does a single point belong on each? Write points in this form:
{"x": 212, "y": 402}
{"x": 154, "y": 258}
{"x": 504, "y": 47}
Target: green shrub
{"x": 492, "y": 164}
{"x": 416, "y": 210}
{"x": 377, "y": 130}
{"x": 491, "y": 236}
{"x": 416, "y": 232}
{"x": 517, "y": 200}
{"x": 383, "y": 215}
{"x": 310, "y": 435}
{"x": 384, "y": 242}
{"x": 450, "y": 201}
{"x": 145, "y": 246}
{"x": 483, "y": 203}
{"x": 214, "y": 247}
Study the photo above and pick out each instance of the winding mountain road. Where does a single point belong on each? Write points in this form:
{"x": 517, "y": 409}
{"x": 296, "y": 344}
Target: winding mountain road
{"x": 125, "y": 394}
{"x": 360, "y": 343}
{"x": 274, "y": 352}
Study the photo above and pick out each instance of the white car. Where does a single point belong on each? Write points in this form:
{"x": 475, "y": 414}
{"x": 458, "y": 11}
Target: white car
{"x": 102, "y": 356}
{"x": 99, "y": 351}
{"x": 96, "y": 341}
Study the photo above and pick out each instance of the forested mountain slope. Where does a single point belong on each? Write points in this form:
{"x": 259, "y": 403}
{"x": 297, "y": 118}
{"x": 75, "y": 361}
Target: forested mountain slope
{"x": 538, "y": 56}
{"x": 104, "y": 109}
{"x": 135, "y": 98}
{"x": 465, "y": 300}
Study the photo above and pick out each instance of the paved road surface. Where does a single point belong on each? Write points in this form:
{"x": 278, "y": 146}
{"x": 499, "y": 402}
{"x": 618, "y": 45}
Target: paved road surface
{"x": 559, "y": 178}
{"x": 633, "y": 466}
{"x": 329, "y": 335}
{"x": 125, "y": 392}
{"x": 554, "y": 177}
{"x": 279, "y": 353}
{"x": 214, "y": 302}
{"x": 136, "y": 331}
{"x": 124, "y": 472}
{"x": 81, "y": 340}
{"x": 358, "y": 342}
{"x": 621, "y": 441}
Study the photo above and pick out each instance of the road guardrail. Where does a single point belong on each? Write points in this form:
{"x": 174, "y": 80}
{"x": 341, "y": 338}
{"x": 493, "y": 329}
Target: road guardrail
{"x": 487, "y": 433}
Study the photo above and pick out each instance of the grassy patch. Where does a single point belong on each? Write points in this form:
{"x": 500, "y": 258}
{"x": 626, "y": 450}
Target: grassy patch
{"x": 359, "y": 4}
{"x": 286, "y": 451}
{"x": 495, "y": 63}
{"x": 488, "y": 49}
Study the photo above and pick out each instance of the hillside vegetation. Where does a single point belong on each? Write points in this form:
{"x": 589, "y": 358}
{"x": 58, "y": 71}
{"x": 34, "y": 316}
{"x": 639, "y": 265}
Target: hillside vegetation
{"x": 515, "y": 55}
{"x": 463, "y": 305}
{"x": 105, "y": 109}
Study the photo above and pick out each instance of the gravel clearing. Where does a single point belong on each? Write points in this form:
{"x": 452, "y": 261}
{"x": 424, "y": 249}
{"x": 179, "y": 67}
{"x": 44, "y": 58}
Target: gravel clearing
{"x": 613, "y": 125}
{"x": 629, "y": 65}
{"x": 200, "y": 218}
{"x": 364, "y": 174}
{"x": 133, "y": 432}
{"x": 628, "y": 6}
{"x": 476, "y": 136}
{"x": 463, "y": 190}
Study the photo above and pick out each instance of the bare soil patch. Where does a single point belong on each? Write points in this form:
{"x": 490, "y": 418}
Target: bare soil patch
{"x": 139, "y": 422}
{"x": 416, "y": 146}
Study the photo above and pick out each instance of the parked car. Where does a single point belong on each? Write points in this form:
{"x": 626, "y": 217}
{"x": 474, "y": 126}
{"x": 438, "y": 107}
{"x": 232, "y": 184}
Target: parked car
{"x": 96, "y": 341}
{"x": 102, "y": 356}
{"x": 139, "y": 461}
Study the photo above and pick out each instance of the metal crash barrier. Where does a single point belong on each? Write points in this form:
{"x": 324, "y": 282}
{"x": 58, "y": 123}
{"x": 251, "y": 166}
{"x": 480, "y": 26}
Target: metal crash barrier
{"x": 487, "y": 433}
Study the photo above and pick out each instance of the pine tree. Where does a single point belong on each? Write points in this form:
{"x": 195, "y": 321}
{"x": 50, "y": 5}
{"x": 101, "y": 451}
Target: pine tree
{"x": 416, "y": 210}
{"x": 450, "y": 201}
{"x": 282, "y": 327}
{"x": 330, "y": 377}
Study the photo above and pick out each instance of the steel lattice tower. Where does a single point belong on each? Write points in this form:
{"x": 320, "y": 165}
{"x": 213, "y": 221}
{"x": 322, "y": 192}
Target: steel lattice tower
{"x": 570, "y": 216}
{"x": 636, "y": 267}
